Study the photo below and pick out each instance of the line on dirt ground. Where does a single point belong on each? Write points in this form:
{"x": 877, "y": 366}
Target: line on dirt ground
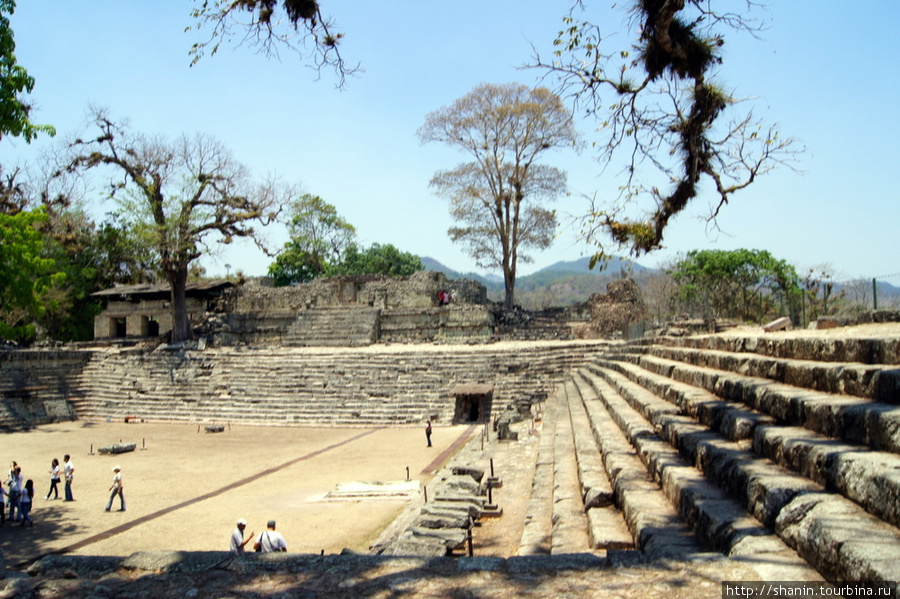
{"x": 437, "y": 462}
{"x": 159, "y": 513}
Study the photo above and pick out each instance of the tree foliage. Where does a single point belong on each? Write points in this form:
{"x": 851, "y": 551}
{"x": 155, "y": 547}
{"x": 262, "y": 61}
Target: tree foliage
{"x": 178, "y": 196}
{"x": 749, "y": 285}
{"x": 318, "y": 238}
{"x": 658, "y": 106}
{"x": 26, "y": 273}
{"x": 499, "y": 197}
{"x": 14, "y": 82}
{"x": 297, "y": 25}
{"x": 376, "y": 260}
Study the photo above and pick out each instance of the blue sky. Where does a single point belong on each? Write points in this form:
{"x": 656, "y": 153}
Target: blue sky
{"x": 826, "y": 72}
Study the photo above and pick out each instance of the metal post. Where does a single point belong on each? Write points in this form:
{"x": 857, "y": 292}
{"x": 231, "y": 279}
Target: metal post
{"x": 469, "y": 539}
{"x": 492, "y": 467}
{"x": 407, "y": 473}
{"x": 426, "y": 493}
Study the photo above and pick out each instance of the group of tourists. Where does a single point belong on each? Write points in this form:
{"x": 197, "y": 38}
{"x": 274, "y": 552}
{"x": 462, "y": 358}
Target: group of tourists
{"x": 267, "y": 541}
{"x": 18, "y": 494}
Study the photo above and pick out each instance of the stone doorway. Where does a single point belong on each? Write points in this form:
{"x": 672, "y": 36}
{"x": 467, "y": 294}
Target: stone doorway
{"x": 473, "y": 403}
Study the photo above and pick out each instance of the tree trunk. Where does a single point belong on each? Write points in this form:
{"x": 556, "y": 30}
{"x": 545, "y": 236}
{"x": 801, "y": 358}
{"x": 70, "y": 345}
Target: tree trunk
{"x": 509, "y": 280}
{"x": 181, "y": 323}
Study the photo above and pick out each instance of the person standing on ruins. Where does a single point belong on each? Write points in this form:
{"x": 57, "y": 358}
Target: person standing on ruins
{"x": 428, "y": 432}
{"x": 269, "y": 540}
{"x": 117, "y": 489}
{"x": 237, "y": 537}
{"x": 69, "y": 471}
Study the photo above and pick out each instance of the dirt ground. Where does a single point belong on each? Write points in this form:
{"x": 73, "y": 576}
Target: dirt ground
{"x": 185, "y": 489}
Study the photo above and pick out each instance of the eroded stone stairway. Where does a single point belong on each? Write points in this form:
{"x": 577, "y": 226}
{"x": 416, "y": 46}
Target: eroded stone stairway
{"x": 778, "y": 450}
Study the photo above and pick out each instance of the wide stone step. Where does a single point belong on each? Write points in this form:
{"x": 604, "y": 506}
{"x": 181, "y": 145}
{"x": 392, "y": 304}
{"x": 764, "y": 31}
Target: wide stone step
{"x": 860, "y": 347}
{"x": 719, "y": 520}
{"x": 606, "y": 525}
{"x": 537, "y": 532}
{"x": 570, "y": 530}
{"x": 766, "y": 489}
{"x": 657, "y": 529}
{"x": 879, "y": 382}
{"x": 853, "y": 419}
{"x": 866, "y": 476}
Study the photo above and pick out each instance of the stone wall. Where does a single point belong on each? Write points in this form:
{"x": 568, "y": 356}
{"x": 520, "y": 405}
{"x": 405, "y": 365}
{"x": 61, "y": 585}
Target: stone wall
{"x": 35, "y": 386}
{"x": 418, "y": 290}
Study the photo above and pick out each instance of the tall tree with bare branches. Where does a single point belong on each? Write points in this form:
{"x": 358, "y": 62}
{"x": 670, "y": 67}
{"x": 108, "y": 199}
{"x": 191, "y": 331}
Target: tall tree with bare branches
{"x": 499, "y": 197}
{"x": 178, "y": 195}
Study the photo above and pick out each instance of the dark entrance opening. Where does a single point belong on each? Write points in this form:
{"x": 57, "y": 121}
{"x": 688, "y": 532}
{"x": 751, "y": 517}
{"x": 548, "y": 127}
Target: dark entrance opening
{"x": 473, "y": 403}
{"x": 153, "y": 328}
{"x": 121, "y": 328}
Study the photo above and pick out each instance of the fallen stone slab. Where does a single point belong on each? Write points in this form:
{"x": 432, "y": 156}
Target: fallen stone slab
{"x": 116, "y": 448}
{"x": 414, "y": 546}
{"x": 460, "y": 520}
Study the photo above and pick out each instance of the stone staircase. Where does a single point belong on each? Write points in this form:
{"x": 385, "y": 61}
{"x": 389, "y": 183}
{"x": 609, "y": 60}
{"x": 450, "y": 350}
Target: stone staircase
{"x": 35, "y": 386}
{"x": 334, "y": 327}
{"x": 367, "y": 386}
{"x": 780, "y": 451}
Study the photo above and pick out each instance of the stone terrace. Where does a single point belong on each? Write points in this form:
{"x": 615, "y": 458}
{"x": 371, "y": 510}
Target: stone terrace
{"x": 774, "y": 451}
{"x": 369, "y": 386}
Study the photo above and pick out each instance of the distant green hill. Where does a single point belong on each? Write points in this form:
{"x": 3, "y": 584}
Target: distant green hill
{"x": 560, "y": 284}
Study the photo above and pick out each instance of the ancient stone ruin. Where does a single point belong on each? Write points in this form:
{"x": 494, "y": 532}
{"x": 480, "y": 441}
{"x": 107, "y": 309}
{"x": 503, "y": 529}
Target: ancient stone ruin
{"x": 751, "y": 449}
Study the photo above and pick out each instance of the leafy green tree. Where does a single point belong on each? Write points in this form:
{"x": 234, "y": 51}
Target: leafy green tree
{"x": 92, "y": 257}
{"x": 14, "y": 82}
{"x": 26, "y": 273}
{"x": 318, "y": 238}
{"x": 499, "y": 198}
{"x": 376, "y": 260}
{"x": 746, "y": 284}
{"x": 661, "y": 111}
{"x": 178, "y": 197}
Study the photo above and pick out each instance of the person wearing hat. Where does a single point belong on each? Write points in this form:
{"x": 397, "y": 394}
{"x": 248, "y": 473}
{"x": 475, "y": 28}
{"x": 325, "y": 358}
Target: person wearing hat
{"x": 237, "y": 537}
{"x": 270, "y": 540}
{"x": 117, "y": 489}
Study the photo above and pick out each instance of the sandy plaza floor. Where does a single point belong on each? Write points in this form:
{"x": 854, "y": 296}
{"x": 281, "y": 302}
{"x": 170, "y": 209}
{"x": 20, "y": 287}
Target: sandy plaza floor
{"x": 185, "y": 488}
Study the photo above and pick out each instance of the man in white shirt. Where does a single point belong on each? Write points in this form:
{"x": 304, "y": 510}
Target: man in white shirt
{"x": 237, "y": 537}
{"x": 70, "y": 475}
{"x": 269, "y": 540}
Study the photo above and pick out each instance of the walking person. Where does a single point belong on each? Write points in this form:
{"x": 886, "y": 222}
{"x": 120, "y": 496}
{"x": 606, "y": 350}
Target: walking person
{"x": 25, "y": 503}
{"x": 270, "y": 540}
{"x": 117, "y": 489}
{"x": 69, "y": 471}
{"x": 428, "y": 432}
{"x": 237, "y": 537}
{"x": 54, "y": 480}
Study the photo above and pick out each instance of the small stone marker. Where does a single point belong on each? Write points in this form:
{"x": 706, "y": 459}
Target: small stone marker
{"x": 778, "y": 324}
{"x": 215, "y": 428}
